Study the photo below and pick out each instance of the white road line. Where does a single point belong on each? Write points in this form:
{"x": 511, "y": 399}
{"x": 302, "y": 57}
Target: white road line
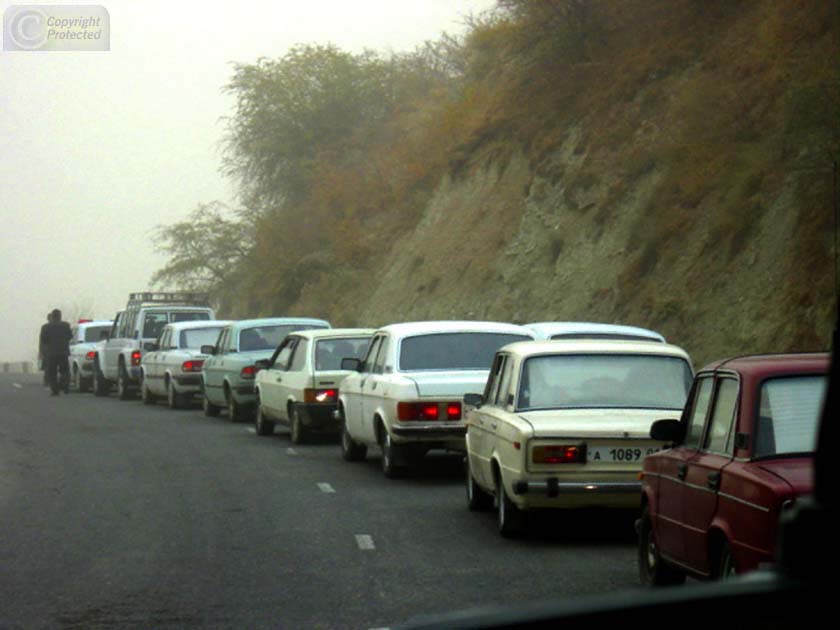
{"x": 365, "y": 542}
{"x": 384, "y": 628}
{"x": 251, "y": 430}
{"x": 17, "y": 385}
{"x": 325, "y": 487}
{"x": 291, "y": 451}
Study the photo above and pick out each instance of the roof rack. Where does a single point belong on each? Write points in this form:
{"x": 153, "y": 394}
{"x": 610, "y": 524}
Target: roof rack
{"x": 168, "y": 297}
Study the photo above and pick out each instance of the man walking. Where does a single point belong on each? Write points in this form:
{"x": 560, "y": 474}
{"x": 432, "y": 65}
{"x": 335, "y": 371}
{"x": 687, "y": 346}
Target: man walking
{"x": 41, "y": 356}
{"x": 55, "y": 341}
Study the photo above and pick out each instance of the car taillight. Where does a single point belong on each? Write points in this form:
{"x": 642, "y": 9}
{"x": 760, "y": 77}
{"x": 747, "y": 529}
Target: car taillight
{"x": 320, "y": 395}
{"x": 192, "y": 366}
{"x": 428, "y": 411}
{"x": 248, "y": 372}
{"x": 90, "y": 356}
{"x": 135, "y": 357}
{"x": 453, "y": 411}
{"x": 559, "y": 454}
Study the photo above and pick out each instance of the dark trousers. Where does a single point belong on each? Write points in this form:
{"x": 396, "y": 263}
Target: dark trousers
{"x": 58, "y": 372}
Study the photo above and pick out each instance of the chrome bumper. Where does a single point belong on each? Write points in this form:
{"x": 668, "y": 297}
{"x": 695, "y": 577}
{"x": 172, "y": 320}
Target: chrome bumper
{"x": 552, "y": 487}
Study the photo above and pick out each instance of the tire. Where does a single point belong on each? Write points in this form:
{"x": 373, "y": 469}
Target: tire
{"x": 82, "y": 384}
{"x": 236, "y": 412}
{"x": 262, "y": 426}
{"x": 390, "y": 454}
{"x": 299, "y": 433}
{"x": 477, "y": 499}
{"x": 653, "y": 571}
{"x": 210, "y": 410}
{"x": 510, "y": 519}
{"x": 74, "y": 378}
{"x": 351, "y": 451}
{"x": 123, "y": 388}
{"x": 173, "y": 399}
{"x": 146, "y": 395}
{"x": 726, "y": 569}
{"x": 100, "y": 385}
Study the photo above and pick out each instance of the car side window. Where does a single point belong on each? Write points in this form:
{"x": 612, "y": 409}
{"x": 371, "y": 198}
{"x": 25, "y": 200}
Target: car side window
{"x": 697, "y": 414}
{"x": 222, "y": 341}
{"x": 719, "y": 436}
{"x": 373, "y": 351}
{"x": 492, "y": 386}
{"x": 285, "y": 354}
{"x": 163, "y": 340}
{"x": 504, "y": 383}
{"x": 231, "y": 346}
{"x": 299, "y": 356}
{"x": 379, "y": 364}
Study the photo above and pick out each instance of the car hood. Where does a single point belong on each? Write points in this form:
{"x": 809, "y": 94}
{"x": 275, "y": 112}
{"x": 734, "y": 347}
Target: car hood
{"x": 454, "y": 383}
{"x": 797, "y": 472}
{"x": 596, "y": 423}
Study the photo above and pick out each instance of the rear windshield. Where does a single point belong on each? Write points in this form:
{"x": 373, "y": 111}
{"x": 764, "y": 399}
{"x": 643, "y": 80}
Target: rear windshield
{"x": 197, "y": 337}
{"x": 453, "y": 351}
{"x": 269, "y": 337}
{"x": 789, "y": 415}
{"x": 94, "y": 333}
{"x": 604, "y": 381}
{"x": 330, "y": 352}
{"x": 618, "y": 336}
{"x": 189, "y": 316}
{"x": 154, "y": 322}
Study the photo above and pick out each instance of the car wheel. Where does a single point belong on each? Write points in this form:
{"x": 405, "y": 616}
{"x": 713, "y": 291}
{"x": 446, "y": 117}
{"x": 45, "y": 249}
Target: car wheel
{"x": 173, "y": 398}
{"x": 123, "y": 389}
{"x": 477, "y": 499}
{"x": 74, "y": 378}
{"x": 726, "y": 564}
{"x": 390, "y": 455}
{"x": 299, "y": 433}
{"x": 653, "y": 571}
{"x": 100, "y": 385}
{"x": 82, "y": 384}
{"x": 263, "y": 426}
{"x": 236, "y": 413}
{"x": 351, "y": 451}
{"x": 510, "y": 518}
{"x": 210, "y": 410}
{"x": 146, "y": 395}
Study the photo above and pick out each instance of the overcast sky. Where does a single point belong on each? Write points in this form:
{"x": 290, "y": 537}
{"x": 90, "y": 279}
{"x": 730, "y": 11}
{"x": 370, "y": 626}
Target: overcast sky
{"x": 100, "y": 147}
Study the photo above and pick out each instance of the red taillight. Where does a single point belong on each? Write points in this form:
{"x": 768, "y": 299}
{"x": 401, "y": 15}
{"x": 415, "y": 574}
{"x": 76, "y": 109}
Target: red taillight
{"x": 320, "y": 395}
{"x": 192, "y": 366}
{"x": 90, "y": 356}
{"x": 560, "y": 454}
{"x": 453, "y": 411}
{"x": 135, "y": 357}
{"x": 248, "y": 372}
{"x": 428, "y": 411}
{"x": 85, "y": 321}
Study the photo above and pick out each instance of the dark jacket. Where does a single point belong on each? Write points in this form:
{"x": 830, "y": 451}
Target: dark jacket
{"x": 55, "y": 339}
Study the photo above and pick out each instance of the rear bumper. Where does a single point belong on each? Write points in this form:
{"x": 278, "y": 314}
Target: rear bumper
{"x": 189, "y": 383}
{"x": 553, "y": 487}
{"x": 553, "y": 493}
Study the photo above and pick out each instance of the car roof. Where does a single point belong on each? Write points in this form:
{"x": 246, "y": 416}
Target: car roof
{"x": 549, "y": 329}
{"x": 764, "y": 365}
{"x": 593, "y": 346}
{"x": 198, "y": 323}
{"x": 327, "y": 333}
{"x": 98, "y": 322}
{"x": 278, "y": 321}
{"x": 406, "y": 329}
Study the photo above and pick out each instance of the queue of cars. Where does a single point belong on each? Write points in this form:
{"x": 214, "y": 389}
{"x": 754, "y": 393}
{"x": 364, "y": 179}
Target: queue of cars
{"x": 549, "y": 416}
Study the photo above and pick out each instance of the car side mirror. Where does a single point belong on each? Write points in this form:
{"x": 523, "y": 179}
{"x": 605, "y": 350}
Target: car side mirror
{"x": 262, "y": 364}
{"x": 208, "y": 349}
{"x": 354, "y": 365}
{"x": 669, "y": 430}
{"x": 474, "y": 400}
{"x": 150, "y": 346}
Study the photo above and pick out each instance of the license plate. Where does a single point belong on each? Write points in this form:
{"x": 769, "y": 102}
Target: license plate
{"x": 619, "y": 452}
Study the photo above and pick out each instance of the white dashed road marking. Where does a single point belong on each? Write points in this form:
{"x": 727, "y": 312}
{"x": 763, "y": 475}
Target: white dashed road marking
{"x": 365, "y": 542}
{"x": 252, "y": 430}
{"x": 17, "y": 385}
{"x": 325, "y": 487}
{"x": 291, "y": 451}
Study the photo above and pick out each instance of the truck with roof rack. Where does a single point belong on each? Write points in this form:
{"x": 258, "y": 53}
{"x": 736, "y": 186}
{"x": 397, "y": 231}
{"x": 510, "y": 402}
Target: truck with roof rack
{"x": 117, "y": 360}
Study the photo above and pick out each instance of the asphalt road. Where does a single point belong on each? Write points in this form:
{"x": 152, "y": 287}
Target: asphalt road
{"x": 114, "y": 514}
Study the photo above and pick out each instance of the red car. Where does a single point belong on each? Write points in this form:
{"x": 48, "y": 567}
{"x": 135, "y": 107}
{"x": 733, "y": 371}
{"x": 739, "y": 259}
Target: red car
{"x": 743, "y": 452}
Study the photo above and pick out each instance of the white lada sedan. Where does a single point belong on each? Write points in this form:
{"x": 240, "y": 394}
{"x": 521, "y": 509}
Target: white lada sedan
{"x": 566, "y": 424}
{"x": 406, "y": 394}
{"x": 171, "y": 366}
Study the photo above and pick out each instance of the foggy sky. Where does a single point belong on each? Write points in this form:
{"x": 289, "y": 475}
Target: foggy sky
{"x": 100, "y": 147}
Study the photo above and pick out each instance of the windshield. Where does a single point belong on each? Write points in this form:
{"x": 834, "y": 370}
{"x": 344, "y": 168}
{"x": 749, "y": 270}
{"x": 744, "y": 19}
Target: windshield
{"x": 197, "y": 337}
{"x": 94, "y": 333}
{"x": 269, "y": 337}
{"x": 330, "y": 352}
{"x": 189, "y": 316}
{"x": 453, "y": 351}
{"x": 604, "y": 380}
{"x": 789, "y": 415}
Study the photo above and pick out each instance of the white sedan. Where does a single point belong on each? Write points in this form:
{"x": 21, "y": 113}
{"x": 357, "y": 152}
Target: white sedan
{"x": 406, "y": 394}
{"x": 593, "y": 330}
{"x": 566, "y": 424}
{"x": 87, "y": 334}
{"x": 171, "y": 366}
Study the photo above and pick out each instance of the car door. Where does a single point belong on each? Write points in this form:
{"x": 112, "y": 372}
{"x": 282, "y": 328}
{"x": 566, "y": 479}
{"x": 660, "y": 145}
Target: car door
{"x": 297, "y": 377}
{"x": 151, "y": 366}
{"x": 271, "y": 384}
{"x": 481, "y": 436}
{"x": 673, "y": 470}
{"x": 373, "y": 388}
{"x": 353, "y": 393}
{"x": 213, "y": 369}
{"x": 702, "y": 482}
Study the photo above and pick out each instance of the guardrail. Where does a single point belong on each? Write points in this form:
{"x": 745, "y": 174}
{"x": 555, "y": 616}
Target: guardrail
{"x": 18, "y": 367}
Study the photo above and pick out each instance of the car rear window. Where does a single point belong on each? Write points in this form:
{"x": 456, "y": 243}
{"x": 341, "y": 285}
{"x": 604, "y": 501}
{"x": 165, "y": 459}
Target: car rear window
{"x": 189, "y": 316}
{"x": 789, "y": 415}
{"x": 604, "y": 381}
{"x": 613, "y": 336}
{"x": 94, "y": 333}
{"x": 197, "y": 337}
{"x": 269, "y": 337}
{"x": 453, "y": 351}
{"x": 330, "y": 352}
